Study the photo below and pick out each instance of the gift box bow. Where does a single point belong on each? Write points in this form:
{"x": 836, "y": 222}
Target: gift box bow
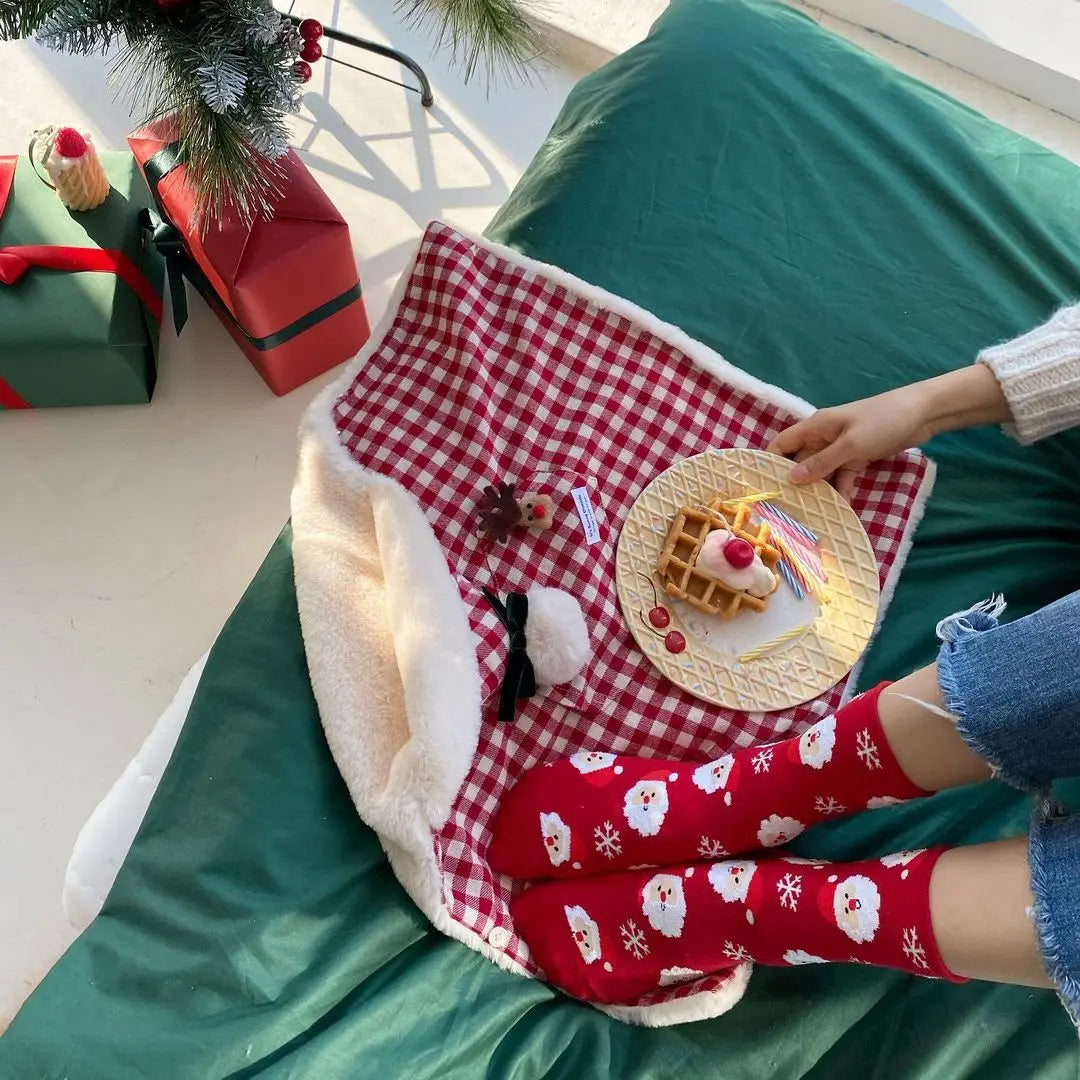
{"x": 169, "y": 239}
{"x": 16, "y": 260}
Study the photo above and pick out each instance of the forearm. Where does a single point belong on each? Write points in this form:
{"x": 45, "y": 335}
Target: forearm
{"x": 968, "y": 397}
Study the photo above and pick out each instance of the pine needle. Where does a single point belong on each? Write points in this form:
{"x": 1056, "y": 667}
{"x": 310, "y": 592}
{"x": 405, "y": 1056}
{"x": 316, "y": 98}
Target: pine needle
{"x": 225, "y": 70}
{"x": 496, "y": 35}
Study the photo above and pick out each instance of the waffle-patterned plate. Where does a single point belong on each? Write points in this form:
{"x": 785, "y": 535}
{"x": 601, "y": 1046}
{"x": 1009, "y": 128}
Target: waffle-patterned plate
{"x": 795, "y": 649}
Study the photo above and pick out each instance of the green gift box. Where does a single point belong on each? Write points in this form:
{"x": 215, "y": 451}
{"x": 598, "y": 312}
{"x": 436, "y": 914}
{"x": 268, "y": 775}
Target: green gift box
{"x": 80, "y": 292}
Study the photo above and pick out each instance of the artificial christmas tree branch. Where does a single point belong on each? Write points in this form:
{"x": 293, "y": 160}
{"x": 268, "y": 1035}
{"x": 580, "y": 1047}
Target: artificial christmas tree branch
{"x": 231, "y": 72}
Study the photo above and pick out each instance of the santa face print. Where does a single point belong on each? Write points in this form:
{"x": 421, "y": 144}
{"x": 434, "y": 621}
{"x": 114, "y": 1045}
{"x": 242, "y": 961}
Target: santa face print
{"x": 878, "y": 801}
{"x": 714, "y": 775}
{"x": 776, "y": 830}
{"x": 585, "y": 932}
{"x": 816, "y": 743}
{"x": 732, "y": 879}
{"x": 664, "y": 904}
{"x": 556, "y": 836}
{"x": 797, "y": 957}
{"x": 672, "y": 976}
{"x": 645, "y": 806}
{"x": 901, "y": 858}
{"x": 856, "y": 907}
{"x": 587, "y": 761}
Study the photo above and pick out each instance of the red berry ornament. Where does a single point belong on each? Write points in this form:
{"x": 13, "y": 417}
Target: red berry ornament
{"x": 69, "y": 143}
{"x": 311, "y": 51}
{"x": 302, "y": 70}
{"x": 674, "y": 642}
{"x": 739, "y": 553}
{"x": 311, "y": 29}
{"x": 660, "y": 617}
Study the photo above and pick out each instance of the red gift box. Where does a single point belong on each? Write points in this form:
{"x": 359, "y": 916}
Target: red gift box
{"x": 286, "y": 288}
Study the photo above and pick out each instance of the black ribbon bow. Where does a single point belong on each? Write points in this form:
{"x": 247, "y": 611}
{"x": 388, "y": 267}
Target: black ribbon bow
{"x": 169, "y": 242}
{"x": 520, "y": 679}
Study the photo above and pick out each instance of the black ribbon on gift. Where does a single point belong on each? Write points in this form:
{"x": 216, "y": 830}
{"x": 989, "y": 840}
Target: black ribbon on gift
{"x": 520, "y": 679}
{"x": 169, "y": 241}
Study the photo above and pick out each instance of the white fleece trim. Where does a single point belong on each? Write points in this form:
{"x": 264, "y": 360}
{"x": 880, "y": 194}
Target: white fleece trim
{"x": 702, "y": 1006}
{"x": 404, "y": 734}
{"x": 391, "y": 656}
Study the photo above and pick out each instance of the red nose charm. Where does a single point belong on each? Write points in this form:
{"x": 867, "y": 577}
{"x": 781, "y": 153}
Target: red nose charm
{"x": 739, "y": 553}
{"x": 537, "y": 511}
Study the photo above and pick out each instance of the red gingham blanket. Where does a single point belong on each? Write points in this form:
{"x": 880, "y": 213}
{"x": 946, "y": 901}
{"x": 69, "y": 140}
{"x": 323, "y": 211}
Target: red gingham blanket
{"x": 495, "y": 368}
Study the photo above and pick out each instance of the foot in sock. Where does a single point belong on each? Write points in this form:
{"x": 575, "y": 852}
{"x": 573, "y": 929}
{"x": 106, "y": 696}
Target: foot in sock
{"x": 596, "y": 812}
{"x": 616, "y": 937}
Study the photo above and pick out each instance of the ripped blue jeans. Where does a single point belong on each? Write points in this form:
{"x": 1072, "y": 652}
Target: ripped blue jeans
{"x": 1014, "y": 689}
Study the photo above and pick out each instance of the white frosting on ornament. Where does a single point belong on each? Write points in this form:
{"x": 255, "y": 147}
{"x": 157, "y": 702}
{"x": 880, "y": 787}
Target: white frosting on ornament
{"x": 56, "y": 164}
{"x": 756, "y": 579}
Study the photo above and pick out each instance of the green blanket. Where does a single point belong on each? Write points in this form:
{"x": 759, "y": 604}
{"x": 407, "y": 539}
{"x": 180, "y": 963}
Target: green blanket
{"x": 830, "y": 226}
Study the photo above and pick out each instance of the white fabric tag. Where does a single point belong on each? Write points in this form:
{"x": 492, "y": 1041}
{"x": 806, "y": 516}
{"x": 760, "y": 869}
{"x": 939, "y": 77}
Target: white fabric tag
{"x": 583, "y": 505}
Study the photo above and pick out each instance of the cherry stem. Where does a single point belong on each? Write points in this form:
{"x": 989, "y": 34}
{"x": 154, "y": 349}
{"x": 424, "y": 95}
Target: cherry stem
{"x": 652, "y": 585}
{"x": 648, "y": 626}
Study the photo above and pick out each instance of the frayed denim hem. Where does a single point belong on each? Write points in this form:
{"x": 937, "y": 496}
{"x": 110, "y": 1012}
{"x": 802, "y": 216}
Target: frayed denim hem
{"x": 1054, "y": 843}
{"x": 954, "y": 631}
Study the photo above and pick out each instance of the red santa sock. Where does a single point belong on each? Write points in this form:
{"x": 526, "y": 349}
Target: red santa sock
{"x": 596, "y": 812}
{"x": 619, "y": 936}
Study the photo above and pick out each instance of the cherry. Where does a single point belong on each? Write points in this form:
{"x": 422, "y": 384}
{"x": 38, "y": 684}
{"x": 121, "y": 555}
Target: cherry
{"x": 660, "y": 617}
{"x": 674, "y": 642}
{"x": 739, "y": 553}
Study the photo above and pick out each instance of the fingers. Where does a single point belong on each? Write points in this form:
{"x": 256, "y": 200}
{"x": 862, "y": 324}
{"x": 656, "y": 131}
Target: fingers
{"x": 845, "y": 479}
{"x": 822, "y": 464}
{"x": 789, "y": 441}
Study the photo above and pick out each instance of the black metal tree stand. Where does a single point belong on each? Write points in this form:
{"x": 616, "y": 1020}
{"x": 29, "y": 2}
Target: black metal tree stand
{"x": 427, "y": 99}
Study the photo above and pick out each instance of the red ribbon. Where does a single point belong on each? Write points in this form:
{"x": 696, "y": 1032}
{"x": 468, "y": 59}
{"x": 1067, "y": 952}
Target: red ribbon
{"x": 15, "y": 261}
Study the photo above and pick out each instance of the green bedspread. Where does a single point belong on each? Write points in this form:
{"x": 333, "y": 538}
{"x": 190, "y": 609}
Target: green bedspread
{"x": 830, "y": 226}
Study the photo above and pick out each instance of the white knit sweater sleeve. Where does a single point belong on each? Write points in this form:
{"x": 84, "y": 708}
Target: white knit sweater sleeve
{"x": 1039, "y": 374}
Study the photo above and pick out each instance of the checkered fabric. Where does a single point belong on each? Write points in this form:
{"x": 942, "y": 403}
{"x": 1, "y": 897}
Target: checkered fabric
{"x": 491, "y": 371}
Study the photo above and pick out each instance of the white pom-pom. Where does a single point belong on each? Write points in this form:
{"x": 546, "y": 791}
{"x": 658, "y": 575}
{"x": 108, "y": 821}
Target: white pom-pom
{"x": 556, "y": 635}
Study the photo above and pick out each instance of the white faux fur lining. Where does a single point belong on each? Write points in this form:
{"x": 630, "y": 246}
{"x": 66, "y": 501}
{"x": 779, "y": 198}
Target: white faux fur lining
{"x": 376, "y": 596}
{"x": 390, "y": 652}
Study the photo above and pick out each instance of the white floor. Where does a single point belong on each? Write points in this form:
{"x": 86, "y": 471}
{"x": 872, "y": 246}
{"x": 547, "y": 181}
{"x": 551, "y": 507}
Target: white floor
{"x": 128, "y": 534}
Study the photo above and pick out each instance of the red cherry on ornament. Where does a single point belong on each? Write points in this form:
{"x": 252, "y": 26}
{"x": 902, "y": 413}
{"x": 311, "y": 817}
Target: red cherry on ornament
{"x": 302, "y": 70}
{"x": 311, "y": 29}
{"x": 739, "y": 553}
{"x": 311, "y": 51}
{"x": 674, "y": 642}
{"x": 659, "y": 617}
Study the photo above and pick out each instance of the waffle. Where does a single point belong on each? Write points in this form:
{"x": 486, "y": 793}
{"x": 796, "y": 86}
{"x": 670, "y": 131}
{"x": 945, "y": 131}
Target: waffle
{"x": 681, "y": 578}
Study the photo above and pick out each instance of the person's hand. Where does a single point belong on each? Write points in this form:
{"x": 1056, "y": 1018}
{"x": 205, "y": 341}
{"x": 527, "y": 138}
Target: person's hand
{"x": 842, "y": 441}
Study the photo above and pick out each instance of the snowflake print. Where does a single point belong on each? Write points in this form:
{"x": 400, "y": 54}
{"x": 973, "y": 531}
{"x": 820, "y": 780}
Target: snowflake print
{"x": 735, "y": 952}
{"x": 633, "y": 939}
{"x": 867, "y": 749}
{"x": 827, "y": 805}
{"x": 913, "y": 949}
{"x": 608, "y": 840}
{"x": 762, "y": 760}
{"x": 711, "y": 849}
{"x": 790, "y": 889}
